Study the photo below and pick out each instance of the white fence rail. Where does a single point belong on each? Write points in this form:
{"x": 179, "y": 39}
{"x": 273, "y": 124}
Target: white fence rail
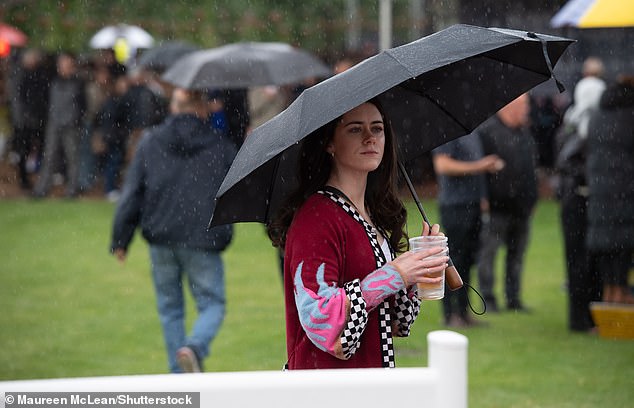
{"x": 442, "y": 384}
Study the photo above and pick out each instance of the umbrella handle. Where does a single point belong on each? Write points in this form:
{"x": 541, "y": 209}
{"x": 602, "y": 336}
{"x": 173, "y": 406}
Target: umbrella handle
{"x": 454, "y": 281}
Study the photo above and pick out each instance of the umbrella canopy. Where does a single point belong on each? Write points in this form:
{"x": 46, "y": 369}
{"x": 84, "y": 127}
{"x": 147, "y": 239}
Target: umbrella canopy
{"x": 434, "y": 90}
{"x": 134, "y": 36}
{"x": 595, "y": 14}
{"x": 164, "y": 55}
{"x": 12, "y": 35}
{"x": 246, "y": 64}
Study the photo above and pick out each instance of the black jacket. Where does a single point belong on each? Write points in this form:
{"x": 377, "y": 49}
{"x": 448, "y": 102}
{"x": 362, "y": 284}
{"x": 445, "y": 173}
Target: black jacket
{"x": 514, "y": 188}
{"x": 171, "y": 184}
{"x": 610, "y": 171}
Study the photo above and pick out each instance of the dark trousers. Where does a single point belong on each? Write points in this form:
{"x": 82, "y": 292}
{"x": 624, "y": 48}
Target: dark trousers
{"x": 584, "y": 284}
{"x": 461, "y": 225}
{"x": 512, "y": 231}
{"x": 112, "y": 168}
{"x": 25, "y": 141}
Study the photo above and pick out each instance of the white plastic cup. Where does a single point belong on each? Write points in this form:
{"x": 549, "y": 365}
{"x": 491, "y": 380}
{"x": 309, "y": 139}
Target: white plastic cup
{"x": 433, "y": 291}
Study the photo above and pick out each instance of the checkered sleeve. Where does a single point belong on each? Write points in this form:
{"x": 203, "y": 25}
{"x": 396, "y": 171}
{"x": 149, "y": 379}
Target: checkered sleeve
{"x": 358, "y": 319}
{"x": 405, "y": 309}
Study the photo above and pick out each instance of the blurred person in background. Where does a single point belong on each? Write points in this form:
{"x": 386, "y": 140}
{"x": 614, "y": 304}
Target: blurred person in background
{"x": 586, "y": 96}
{"x": 610, "y": 175}
{"x": 110, "y": 137}
{"x": 30, "y": 120}
{"x": 217, "y": 115}
{"x": 98, "y": 90}
{"x": 67, "y": 107}
{"x": 583, "y": 281}
{"x": 144, "y": 106}
{"x": 265, "y": 102}
{"x": 461, "y": 169}
{"x": 236, "y": 107}
{"x": 168, "y": 193}
{"x": 512, "y": 193}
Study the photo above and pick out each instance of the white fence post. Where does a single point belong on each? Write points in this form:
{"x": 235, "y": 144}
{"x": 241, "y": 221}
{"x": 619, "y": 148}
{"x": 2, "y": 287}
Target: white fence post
{"x": 447, "y": 354}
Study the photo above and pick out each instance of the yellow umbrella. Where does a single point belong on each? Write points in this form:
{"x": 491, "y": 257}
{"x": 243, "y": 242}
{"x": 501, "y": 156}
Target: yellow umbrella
{"x": 595, "y": 14}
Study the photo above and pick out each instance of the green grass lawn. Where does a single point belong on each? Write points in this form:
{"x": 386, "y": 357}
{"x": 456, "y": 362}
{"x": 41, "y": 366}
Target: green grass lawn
{"x": 68, "y": 309}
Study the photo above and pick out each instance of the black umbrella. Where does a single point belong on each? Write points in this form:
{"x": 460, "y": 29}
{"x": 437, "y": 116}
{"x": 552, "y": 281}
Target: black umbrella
{"x": 243, "y": 65}
{"x": 434, "y": 89}
{"x": 162, "y": 56}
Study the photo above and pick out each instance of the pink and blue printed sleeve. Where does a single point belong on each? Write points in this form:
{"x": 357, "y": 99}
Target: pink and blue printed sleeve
{"x": 322, "y": 314}
{"x": 381, "y": 284}
{"x": 334, "y": 318}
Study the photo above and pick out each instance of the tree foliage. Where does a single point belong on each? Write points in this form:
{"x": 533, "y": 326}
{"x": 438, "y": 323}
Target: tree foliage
{"x": 318, "y": 25}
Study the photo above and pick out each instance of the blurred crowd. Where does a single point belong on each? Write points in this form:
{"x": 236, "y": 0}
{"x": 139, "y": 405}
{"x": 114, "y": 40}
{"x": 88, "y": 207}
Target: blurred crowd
{"x": 75, "y": 121}
{"x": 89, "y": 112}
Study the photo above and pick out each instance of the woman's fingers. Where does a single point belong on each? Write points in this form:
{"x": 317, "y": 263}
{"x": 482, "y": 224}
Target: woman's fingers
{"x": 425, "y": 229}
{"x": 433, "y": 230}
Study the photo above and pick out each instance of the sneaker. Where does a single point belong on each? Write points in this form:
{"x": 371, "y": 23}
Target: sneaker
{"x": 113, "y": 196}
{"x": 188, "y": 360}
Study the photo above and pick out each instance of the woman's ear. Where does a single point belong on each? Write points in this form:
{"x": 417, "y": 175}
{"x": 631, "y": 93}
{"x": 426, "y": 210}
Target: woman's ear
{"x": 330, "y": 149}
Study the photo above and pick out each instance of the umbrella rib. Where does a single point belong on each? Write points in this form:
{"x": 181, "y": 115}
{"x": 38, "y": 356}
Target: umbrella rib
{"x": 424, "y": 95}
{"x": 466, "y": 128}
{"x": 270, "y": 189}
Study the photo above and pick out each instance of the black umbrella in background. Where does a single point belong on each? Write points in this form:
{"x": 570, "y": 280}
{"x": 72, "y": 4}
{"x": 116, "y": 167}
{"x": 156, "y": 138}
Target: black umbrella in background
{"x": 162, "y": 56}
{"x": 435, "y": 89}
{"x": 246, "y": 64}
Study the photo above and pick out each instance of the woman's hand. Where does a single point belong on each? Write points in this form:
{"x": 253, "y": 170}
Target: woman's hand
{"x": 419, "y": 266}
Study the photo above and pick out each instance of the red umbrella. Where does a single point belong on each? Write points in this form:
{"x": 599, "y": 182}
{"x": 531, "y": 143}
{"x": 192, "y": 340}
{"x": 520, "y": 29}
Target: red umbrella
{"x": 12, "y": 35}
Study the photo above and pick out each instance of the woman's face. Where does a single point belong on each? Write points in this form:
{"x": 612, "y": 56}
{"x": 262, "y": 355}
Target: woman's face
{"x": 359, "y": 140}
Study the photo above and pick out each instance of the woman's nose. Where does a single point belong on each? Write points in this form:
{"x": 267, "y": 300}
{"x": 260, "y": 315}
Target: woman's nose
{"x": 368, "y": 136}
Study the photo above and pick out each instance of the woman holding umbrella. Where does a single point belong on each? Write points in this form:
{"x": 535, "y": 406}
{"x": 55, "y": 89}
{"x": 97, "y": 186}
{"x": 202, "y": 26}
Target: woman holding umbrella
{"x": 346, "y": 292}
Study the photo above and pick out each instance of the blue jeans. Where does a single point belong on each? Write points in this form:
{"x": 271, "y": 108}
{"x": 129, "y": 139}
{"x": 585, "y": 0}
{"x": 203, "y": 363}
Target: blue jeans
{"x": 205, "y": 274}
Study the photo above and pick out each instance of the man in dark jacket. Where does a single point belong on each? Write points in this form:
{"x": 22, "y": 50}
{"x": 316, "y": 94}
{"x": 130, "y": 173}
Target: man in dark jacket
{"x": 169, "y": 192}
{"x": 512, "y": 197}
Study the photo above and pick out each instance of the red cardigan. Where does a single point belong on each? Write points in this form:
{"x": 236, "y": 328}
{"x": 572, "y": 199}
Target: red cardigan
{"x": 323, "y": 233}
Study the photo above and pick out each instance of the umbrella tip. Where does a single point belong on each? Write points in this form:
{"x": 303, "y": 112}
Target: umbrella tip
{"x": 560, "y": 86}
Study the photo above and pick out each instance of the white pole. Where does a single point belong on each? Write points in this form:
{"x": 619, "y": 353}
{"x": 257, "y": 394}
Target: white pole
{"x": 416, "y": 17}
{"x": 385, "y": 24}
{"x": 447, "y": 354}
{"x": 353, "y": 34}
